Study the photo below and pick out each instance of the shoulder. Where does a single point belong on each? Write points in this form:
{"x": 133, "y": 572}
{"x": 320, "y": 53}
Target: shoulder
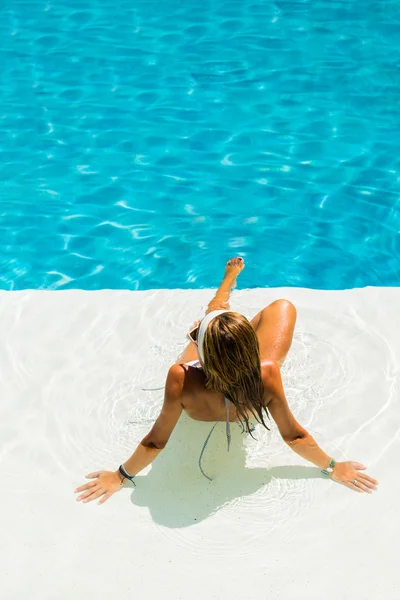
{"x": 271, "y": 377}
{"x": 176, "y": 371}
{"x": 175, "y": 380}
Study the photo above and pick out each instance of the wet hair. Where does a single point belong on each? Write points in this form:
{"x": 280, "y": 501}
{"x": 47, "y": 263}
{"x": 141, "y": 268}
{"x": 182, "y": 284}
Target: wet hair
{"x": 232, "y": 365}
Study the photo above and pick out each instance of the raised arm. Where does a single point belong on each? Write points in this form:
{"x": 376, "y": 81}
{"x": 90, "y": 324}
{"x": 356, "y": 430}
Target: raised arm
{"x": 301, "y": 442}
{"x": 221, "y": 299}
{"x": 107, "y": 483}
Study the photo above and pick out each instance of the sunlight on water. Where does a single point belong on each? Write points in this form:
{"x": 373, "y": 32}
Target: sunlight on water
{"x": 135, "y": 140}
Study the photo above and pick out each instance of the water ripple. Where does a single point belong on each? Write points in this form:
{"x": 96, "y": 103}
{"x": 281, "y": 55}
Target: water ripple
{"x": 241, "y": 110}
{"x": 87, "y": 391}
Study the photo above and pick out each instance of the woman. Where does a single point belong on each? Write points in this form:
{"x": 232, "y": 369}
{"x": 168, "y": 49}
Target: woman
{"x": 230, "y": 371}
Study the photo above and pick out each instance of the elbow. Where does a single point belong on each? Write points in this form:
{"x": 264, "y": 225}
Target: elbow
{"x": 294, "y": 433}
{"x": 295, "y": 437}
{"x": 152, "y": 443}
{"x": 291, "y": 439}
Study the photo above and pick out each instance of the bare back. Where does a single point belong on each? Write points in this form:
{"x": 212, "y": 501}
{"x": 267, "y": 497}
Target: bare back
{"x": 274, "y": 327}
{"x": 205, "y": 405}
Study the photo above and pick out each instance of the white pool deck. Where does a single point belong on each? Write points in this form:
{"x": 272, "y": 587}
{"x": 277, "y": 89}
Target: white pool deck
{"x": 270, "y": 526}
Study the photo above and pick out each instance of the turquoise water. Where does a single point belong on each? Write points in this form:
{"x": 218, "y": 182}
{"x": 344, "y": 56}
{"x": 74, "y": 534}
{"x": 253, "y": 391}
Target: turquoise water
{"x": 142, "y": 144}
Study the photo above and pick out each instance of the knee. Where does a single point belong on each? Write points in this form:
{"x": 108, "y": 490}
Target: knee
{"x": 285, "y": 306}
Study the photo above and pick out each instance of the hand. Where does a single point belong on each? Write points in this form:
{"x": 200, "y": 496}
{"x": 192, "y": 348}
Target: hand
{"x": 347, "y": 472}
{"x": 106, "y": 484}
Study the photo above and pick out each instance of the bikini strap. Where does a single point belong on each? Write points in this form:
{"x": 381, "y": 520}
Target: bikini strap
{"x": 228, "y": 438}
{"x": 228, "y": 425}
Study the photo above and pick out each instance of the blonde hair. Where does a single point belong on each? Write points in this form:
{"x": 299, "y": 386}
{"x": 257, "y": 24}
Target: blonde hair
{"x": 232, "y": 365}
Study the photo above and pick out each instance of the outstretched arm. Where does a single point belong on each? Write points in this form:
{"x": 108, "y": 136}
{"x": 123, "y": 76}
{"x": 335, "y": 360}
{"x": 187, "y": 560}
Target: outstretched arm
{"x": 301, "y": 442}
{"x": 107, "y": 483}
{"x": 157, "y": 438}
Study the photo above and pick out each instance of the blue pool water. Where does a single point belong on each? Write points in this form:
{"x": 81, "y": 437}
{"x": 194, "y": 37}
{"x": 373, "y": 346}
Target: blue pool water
{"x": 144, "y": 143}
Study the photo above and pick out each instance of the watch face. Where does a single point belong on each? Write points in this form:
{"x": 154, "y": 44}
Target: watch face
{"x": 330, "y": 470}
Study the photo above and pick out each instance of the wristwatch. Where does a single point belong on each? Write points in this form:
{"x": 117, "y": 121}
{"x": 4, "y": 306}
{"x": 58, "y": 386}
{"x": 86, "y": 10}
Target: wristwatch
{"x": 329, "y": 468}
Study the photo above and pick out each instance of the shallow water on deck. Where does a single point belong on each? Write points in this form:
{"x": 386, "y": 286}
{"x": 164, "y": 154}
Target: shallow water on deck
{"x": 78, "y": 391}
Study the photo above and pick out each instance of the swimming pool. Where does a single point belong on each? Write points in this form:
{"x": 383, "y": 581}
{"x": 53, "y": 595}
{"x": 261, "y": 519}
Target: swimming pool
{"x": 143, "y": 145}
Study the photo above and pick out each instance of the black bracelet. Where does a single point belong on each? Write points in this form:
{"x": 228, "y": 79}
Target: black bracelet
{"x": 126, "y": 474}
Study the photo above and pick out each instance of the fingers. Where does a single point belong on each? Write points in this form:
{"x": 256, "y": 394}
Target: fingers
{"x": 358, "y": 465}
{"x": 95, "y": 495}
{"x": 355, "y": 488}
{"x": 365, "y": 476}
{"x": 361, "y": 485}
{"x": 92, "y": 475}
{"x": 89, "y": 492}
{"x": 86, "y": 486}
{"x": 368, "y": 481}
{"x": 92, "y": 495}
{"x": 104, "y": 498}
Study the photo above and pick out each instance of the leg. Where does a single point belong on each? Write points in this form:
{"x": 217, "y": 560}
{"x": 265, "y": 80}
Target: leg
{"x": 233, "y": 268}
{"x": 274, "y": 326}
{"x": 189, "y": 353}
{"x": 221, "y": 300}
